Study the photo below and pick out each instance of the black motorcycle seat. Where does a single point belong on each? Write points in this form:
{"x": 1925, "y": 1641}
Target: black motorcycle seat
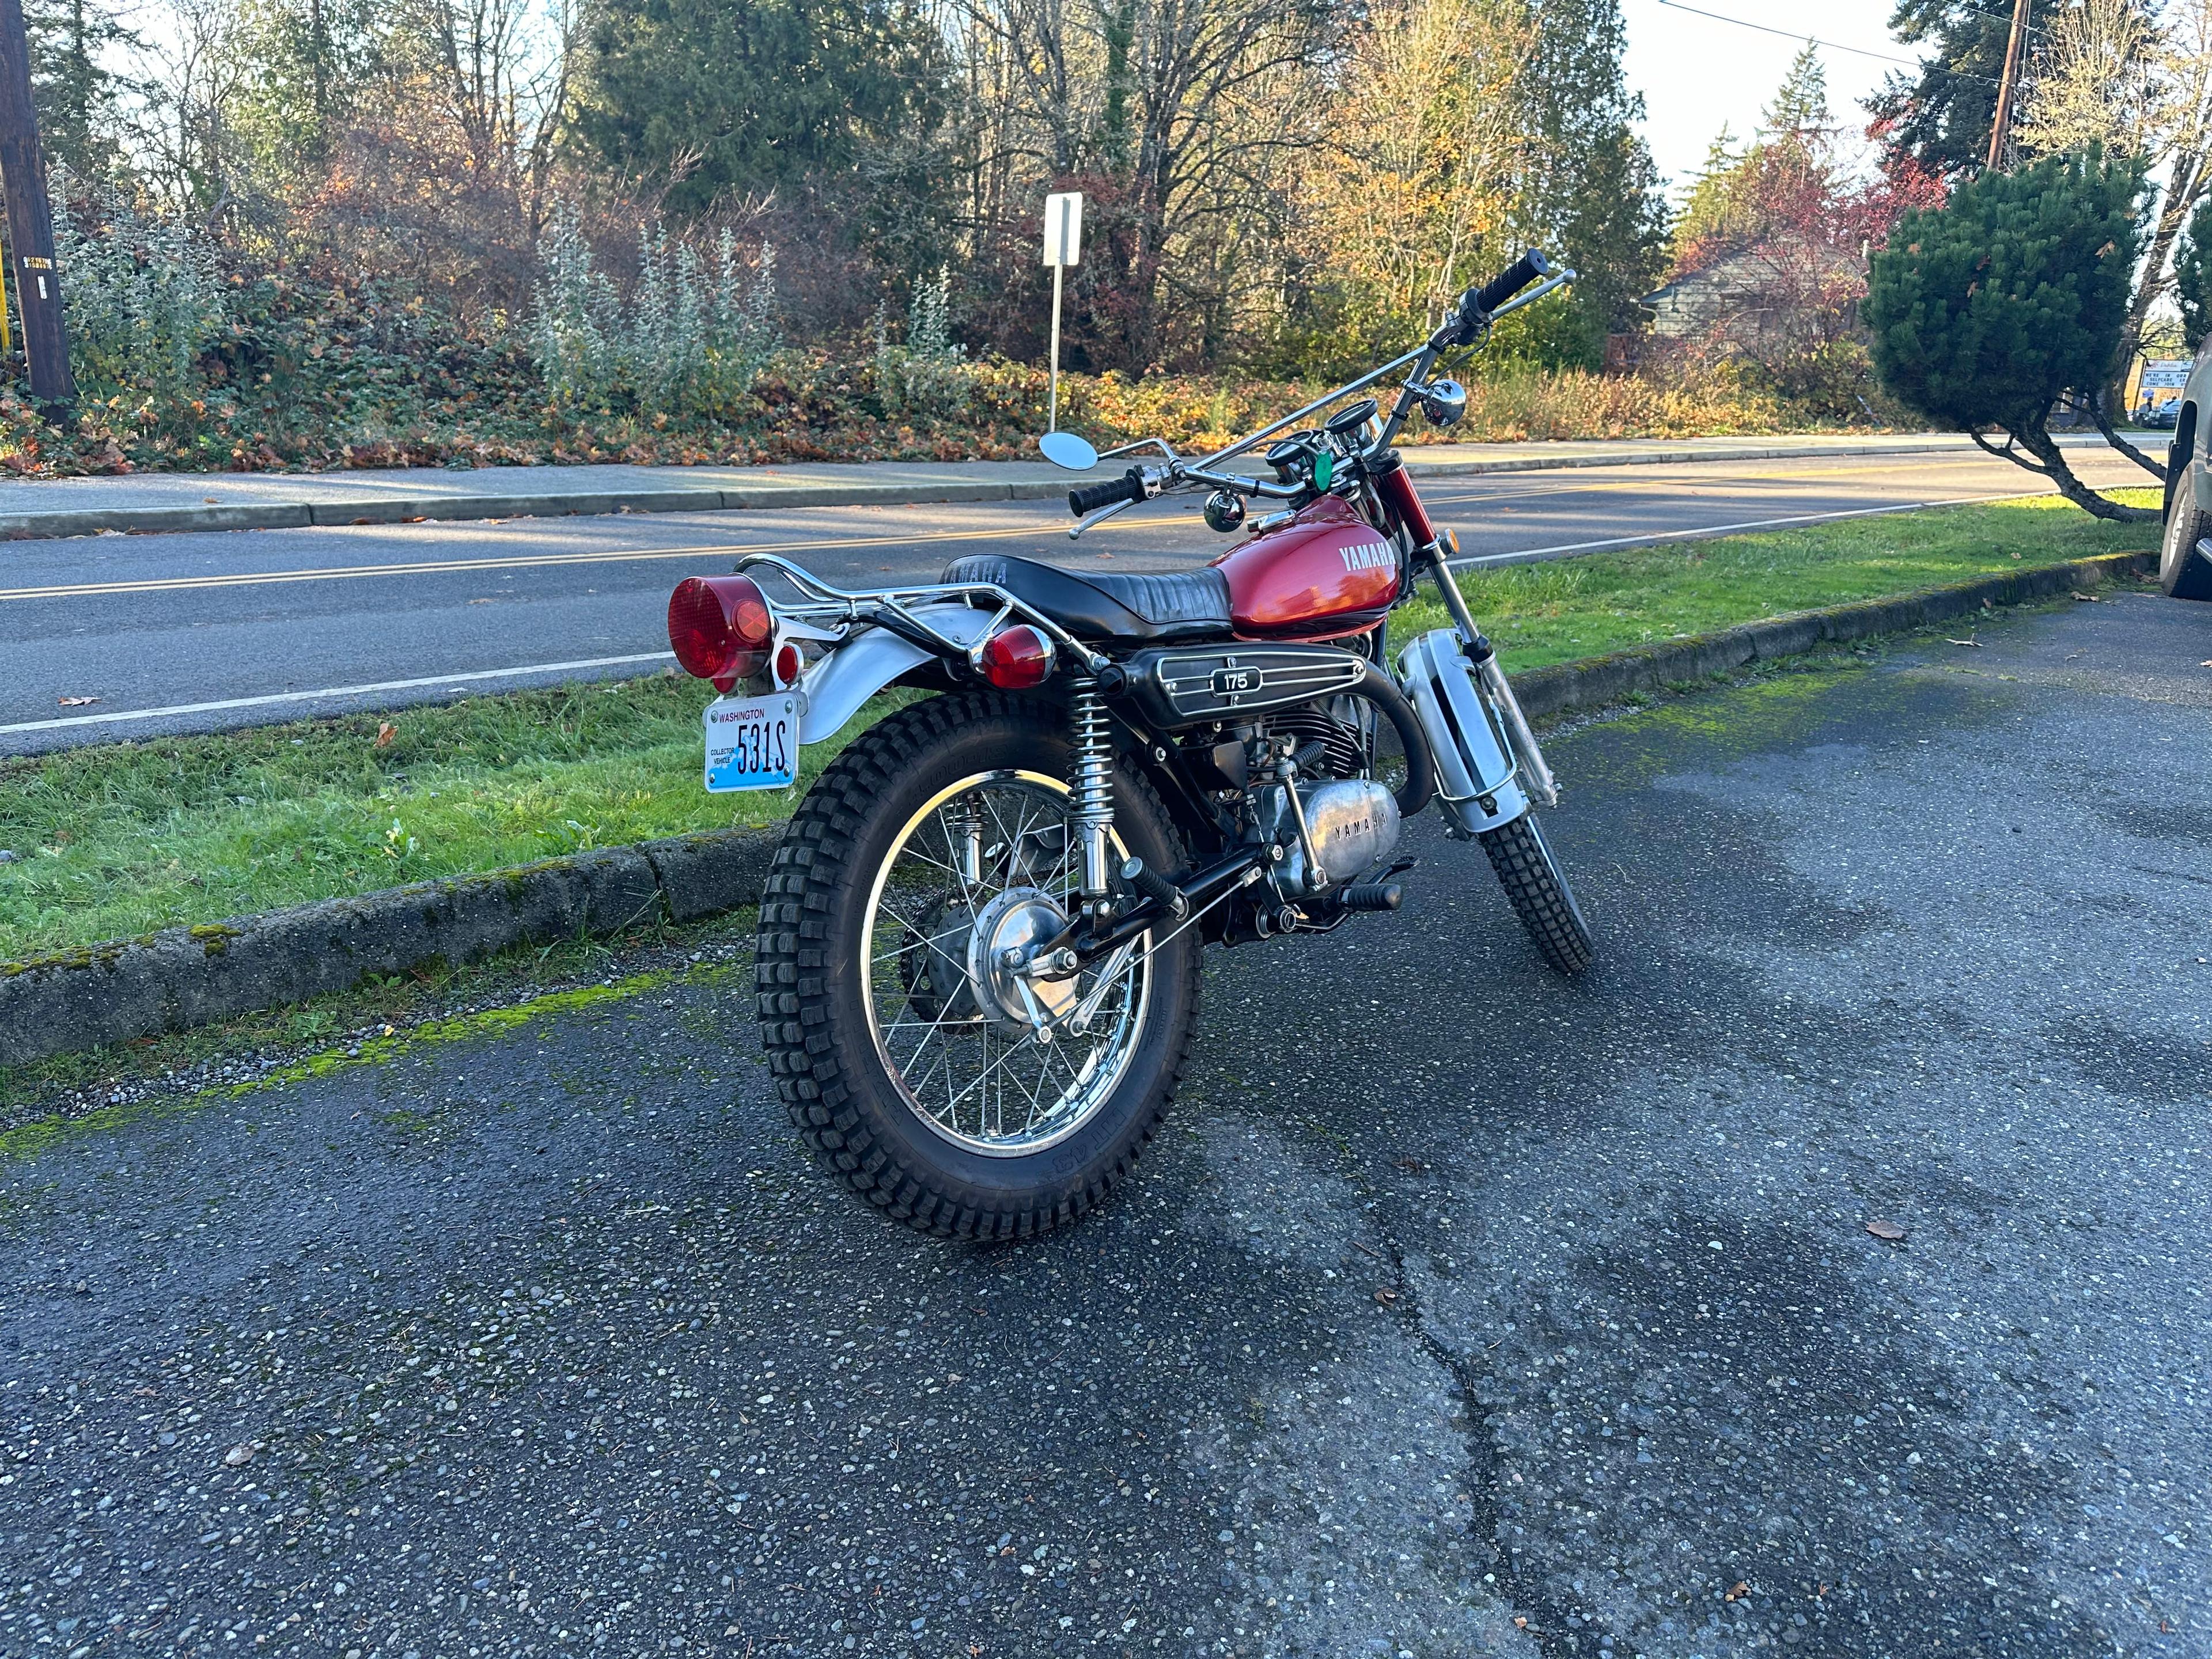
{"x": 1183, "y": 604}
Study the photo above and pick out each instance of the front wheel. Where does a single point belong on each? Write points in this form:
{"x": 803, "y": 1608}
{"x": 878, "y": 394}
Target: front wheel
{"x": 2183, "y": 572}
{"x": 965, "y": 1098}
{"x": 1542, "y": 899}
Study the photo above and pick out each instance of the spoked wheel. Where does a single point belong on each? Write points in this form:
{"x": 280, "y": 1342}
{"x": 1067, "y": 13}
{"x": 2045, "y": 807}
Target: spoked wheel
{"x": 1542, "y": 899}
{"x": 963, "y": 1095}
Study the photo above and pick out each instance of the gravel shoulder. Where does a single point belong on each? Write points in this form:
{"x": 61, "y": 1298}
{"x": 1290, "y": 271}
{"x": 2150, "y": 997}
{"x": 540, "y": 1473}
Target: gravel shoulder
{"x": 1475, "y": 1315}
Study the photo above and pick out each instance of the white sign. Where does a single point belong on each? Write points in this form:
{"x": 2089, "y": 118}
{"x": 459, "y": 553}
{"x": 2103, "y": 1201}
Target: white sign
{"x": 2166, "y": 374}
{"x": 1063, "y": 229}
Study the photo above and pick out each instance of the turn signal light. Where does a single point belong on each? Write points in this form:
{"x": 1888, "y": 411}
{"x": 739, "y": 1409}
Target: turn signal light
{"x": 720, "y": 628}
{"x": 1015, "y": 659}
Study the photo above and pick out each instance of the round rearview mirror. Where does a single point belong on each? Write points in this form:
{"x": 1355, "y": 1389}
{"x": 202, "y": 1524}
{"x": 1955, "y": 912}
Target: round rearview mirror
{"x": 1065, "y": 449}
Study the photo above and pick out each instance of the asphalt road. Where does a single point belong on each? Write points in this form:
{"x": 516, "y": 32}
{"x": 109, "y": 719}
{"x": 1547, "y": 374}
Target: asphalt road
{"x": 1459, "y": 1312}
{"x": 205, "y": 631}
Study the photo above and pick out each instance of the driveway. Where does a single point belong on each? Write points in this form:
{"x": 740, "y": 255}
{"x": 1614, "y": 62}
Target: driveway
{"x": 1459, "y": 1312}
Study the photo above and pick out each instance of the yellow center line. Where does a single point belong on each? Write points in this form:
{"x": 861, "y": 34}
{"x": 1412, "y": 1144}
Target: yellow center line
{"x": 1443, "y": 491}
{"x": 531, "y": 561}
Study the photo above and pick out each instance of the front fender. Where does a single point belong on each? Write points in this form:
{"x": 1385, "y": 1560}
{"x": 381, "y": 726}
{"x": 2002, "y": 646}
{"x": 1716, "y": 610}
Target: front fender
{"x": 837, "y": 684}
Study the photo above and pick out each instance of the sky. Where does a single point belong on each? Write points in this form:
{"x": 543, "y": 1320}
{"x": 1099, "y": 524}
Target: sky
{"x": 1696, "y": 72}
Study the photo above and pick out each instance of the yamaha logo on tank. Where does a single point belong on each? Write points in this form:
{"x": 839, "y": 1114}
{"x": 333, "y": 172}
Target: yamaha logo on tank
{"x": 1368, "y": 556}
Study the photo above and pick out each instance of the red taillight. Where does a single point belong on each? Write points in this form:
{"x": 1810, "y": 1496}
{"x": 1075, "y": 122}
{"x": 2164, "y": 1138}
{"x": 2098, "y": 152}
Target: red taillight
{"x": 1015, "y": 659}
{"x": 720, "y": 628}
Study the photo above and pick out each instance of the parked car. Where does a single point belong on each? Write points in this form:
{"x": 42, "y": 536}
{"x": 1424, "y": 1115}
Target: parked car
{"x": 2159, "y": 417}
{"x": 2184, "y": 558}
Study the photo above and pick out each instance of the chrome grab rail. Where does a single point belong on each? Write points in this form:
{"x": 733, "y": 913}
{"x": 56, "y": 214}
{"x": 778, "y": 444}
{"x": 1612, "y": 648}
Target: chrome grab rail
{"x": 823, "y": 600}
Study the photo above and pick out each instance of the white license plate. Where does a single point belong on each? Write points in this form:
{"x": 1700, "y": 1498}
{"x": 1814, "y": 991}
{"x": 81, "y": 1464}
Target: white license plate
{"x": 752, "y": 743}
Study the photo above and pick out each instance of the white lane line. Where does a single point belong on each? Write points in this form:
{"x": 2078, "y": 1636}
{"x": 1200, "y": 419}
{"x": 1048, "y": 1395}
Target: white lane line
{"x": 1529, "y": 556}
{"x": 337, "y": 691}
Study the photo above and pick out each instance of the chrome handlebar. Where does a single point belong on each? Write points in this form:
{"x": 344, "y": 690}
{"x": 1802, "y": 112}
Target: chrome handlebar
{"x": 1421, "y": 360}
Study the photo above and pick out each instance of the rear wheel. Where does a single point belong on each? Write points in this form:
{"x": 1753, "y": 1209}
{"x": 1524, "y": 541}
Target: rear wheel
{"x": 964, "y": 1098}
{"x": 2182, "y": 572}
{"x": 1542, "y": 899}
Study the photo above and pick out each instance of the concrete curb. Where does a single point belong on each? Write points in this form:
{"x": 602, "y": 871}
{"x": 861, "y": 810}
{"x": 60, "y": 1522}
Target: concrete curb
{"x": 188, "y": 977}
{"x": 558, "y": 503}
{"x": 1594, "y": 682}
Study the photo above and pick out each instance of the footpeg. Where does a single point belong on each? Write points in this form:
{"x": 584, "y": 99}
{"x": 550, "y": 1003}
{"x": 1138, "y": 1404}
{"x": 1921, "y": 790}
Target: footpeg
{"x": 1372, "y": 896}
{"x": 1155, "y": 887}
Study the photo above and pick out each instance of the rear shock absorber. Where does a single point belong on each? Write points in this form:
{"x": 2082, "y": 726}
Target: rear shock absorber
{"x": 1091, "y": 782}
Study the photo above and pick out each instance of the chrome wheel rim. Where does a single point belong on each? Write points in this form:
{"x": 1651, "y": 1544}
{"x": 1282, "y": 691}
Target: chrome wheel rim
{"x": 986, "y": 865}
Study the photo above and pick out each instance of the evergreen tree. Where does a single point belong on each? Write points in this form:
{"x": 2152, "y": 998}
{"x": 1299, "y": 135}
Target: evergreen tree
{"x": 754, "y": 96}
{"x": 1593, "y": 193}
{"x": 1989, "y": 309}
{"x": 2192, "y": 276}
{"x": 311, "y": 59}
{"x": 1801, "y": 103}
{"x": 1939, "y": 121}
{"x": 74, "y": 92}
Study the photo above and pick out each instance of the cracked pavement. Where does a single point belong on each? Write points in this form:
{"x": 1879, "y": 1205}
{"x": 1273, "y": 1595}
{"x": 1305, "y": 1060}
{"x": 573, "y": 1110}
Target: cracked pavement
{"x": 1457, "y": 1311}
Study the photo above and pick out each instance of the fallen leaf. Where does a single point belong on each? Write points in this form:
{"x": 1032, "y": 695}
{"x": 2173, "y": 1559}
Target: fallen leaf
{"x": 1888, "y": 1231}
{"x": 1386, "y": 1296}
{"x": 385, "y": 732}
{"x": 1973, "y": 642}
{"x": 1413, "y": 1166}
{"x": 75, "y": 702}
{"x": 2207, "y": 663}
{"x": 1520, "y": 1621}
{"x": 2086, "y": 598}
{"x": 1741, "y": 1589}
{"x": 237, "y": 1456}
{"x": 210, "y": 500}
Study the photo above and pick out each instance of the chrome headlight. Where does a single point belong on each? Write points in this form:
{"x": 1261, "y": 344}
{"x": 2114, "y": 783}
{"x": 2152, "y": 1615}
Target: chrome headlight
{"x": 1444, "y": 401}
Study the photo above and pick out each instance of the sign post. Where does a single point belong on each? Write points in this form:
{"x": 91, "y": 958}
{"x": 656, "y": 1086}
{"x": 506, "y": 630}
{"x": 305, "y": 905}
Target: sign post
{"x": 1063, "y": 246}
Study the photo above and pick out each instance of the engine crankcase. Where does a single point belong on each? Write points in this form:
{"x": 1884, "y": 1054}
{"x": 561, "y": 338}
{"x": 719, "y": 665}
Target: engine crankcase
{"x": 1352, "y": 822}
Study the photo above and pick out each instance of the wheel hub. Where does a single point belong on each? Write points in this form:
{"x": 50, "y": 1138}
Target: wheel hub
{"x": 1008, "y": 931}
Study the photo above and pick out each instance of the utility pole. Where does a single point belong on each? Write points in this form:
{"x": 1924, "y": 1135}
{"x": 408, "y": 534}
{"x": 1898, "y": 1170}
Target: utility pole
{"x": 2000, "y": 128}
{"x": 30, "y": 220}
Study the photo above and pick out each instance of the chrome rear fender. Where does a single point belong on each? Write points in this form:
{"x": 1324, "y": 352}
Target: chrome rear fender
{"x": 835, "y": 686}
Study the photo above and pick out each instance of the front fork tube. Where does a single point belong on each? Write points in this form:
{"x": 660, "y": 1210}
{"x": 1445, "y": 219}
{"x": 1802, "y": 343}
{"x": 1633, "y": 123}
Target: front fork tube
{"x": 1507, "y": 706}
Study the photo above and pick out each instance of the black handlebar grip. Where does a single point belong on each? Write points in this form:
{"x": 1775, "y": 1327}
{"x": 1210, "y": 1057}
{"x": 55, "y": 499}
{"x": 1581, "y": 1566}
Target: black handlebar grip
{"x": 1129, "y": 487}
{"x": 1530, "y": 267}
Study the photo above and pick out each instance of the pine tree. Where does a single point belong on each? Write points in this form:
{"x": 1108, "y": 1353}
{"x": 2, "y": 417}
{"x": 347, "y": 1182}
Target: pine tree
{"x": 751, "y": 96}
{"x": 1593, "y": 192}
{"x": 1988, "y": 310}
{"x": 1801, "y": 104}
{"x": 72, "y": 41}
{"x": 2192, "y": 276}
{"x": 1939, "y": 120}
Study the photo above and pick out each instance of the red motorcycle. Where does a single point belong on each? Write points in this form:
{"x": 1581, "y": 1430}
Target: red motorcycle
{"x": 978, "y": 971}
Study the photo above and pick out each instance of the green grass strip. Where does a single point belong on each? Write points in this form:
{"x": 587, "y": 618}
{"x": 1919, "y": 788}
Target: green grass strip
{"x": 124, "y": 839}
{"x": 1541, "y": 614}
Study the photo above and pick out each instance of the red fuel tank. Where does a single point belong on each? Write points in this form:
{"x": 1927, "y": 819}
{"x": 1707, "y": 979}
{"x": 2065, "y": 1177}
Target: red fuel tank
{"x": 1327, "y": 573}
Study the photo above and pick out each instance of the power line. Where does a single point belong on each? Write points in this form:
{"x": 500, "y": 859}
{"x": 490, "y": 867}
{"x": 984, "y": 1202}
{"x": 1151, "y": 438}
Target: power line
{"x": 1790, "y": 35}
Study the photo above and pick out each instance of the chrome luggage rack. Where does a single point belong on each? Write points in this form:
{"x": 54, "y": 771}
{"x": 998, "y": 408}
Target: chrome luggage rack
{"x": 893, "y": 608}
